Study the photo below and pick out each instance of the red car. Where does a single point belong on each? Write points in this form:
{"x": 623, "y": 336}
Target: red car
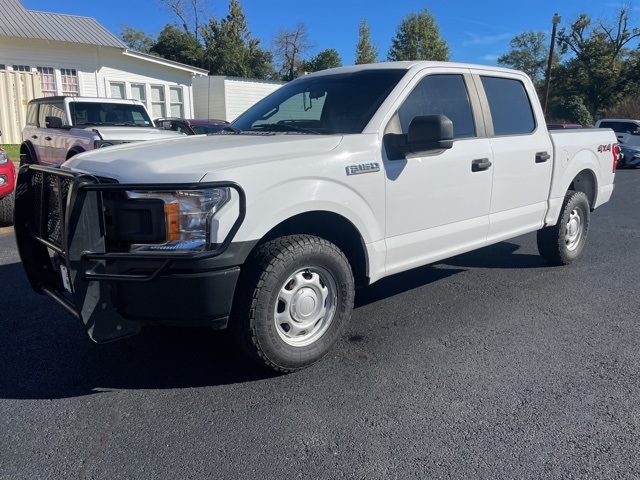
{"x": 7, "y": 185}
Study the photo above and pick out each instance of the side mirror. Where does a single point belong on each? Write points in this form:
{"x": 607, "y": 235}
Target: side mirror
{"x": 166, "y": 125}
{"x": 426, "y": 134}
{"x": 52, "y": 122}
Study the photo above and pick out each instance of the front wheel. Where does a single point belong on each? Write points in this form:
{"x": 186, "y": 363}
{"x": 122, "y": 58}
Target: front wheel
{"x": 563, "y": 243}
{"x": 25, "y": 159}
{"x": 295, "y": 297}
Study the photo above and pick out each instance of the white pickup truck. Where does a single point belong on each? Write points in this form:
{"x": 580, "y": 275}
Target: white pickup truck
{"x": 336, "y": 180}
{"x": 57, "y": 128}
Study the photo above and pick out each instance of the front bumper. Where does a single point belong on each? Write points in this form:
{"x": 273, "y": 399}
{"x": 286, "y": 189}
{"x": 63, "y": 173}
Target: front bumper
{"x": 60, "y": 231}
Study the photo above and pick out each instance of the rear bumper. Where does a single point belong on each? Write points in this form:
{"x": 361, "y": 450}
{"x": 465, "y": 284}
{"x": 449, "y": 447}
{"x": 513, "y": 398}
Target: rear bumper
{"x": 60, "y": 235}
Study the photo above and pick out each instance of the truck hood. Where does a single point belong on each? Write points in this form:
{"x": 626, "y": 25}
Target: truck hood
{"x": 189, "y": 159}
{"x": 133, "y": 134}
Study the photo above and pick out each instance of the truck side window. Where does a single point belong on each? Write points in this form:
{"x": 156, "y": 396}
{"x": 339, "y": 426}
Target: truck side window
{"x": 621, "y": 127}
{"x": 440, "y": 94}
{"x": 51, "y": 110}
{"x": 510, "y": 107}
{"x": 32, "y": 114}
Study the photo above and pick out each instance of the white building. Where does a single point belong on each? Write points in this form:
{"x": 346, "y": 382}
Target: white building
{"x": 78, "y": 56}
{"x": 226, "y": 98}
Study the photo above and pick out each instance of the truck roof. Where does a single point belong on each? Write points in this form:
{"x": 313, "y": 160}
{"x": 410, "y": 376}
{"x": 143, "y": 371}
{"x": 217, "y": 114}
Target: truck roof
{"x": 408, "y": 65}
{"x": 69, "y": 99}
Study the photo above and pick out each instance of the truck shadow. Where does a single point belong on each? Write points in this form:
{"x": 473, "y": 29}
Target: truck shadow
{"x": 47, "y": 354}
{"x": 501, "y": 255}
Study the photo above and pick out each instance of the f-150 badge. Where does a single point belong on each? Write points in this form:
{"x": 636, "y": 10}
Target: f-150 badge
{"x": 363, "y": 168}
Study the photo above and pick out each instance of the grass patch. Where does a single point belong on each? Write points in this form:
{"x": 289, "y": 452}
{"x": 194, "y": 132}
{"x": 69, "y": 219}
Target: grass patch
{"x": 13, "y": 151}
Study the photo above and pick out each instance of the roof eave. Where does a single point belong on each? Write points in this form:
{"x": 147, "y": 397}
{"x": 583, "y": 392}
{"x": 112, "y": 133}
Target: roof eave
{"x": 169, "y": 63}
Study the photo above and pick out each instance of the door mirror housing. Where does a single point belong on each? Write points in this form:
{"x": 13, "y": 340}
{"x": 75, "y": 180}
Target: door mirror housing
{"x": 425, "y": 134}
{"x": 52, "y": 122}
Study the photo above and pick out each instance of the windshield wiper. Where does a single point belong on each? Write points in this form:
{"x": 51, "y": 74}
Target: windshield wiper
{"x": 284, "y": 127}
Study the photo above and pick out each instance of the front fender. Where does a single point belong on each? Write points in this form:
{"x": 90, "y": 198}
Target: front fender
{"x": 270, "y": 207}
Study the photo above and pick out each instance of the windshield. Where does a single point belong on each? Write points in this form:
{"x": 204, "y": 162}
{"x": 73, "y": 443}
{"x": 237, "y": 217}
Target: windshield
{"x": 341, "y": 103}
{"x": 94, "y": 113}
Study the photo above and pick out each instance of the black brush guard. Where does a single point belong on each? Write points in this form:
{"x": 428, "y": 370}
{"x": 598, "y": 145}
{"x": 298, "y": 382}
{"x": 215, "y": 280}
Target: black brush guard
{"x": 61, "y": 212}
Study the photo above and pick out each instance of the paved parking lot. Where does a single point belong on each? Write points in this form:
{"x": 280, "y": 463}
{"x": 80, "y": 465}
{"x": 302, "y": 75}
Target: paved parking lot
{"x": 489, "y": 365}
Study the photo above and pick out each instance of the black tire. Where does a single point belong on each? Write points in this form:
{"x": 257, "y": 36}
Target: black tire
{"x": 7, "y": 206}
{"x": 25, "y": 159}
{"x": 563, "y": 243}
{"x": 295, "y": 297}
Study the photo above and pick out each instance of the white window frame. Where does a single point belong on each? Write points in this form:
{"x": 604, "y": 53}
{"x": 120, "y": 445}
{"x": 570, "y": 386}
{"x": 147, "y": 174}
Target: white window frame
{"x": 64, "y": 86}
{"x": 180, "y": 104}
{"x": 162, "y": 102}
{"x": 122, "y": 84}
{"x": 48, "y": 79}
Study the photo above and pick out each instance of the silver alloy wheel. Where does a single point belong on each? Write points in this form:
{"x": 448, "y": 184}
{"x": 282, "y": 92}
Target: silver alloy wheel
{"x": 306, "y": 306}
{"x": 575, "y": 229}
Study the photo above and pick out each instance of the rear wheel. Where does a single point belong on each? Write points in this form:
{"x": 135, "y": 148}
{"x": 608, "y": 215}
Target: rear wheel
{"x": 563, "y": 243}
{"x": 295, "y": 297}
{"x": 7, "y": 205}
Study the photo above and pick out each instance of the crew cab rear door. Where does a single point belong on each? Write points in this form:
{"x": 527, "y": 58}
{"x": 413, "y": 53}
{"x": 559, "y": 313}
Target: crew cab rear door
{"x": 522, "y": 154}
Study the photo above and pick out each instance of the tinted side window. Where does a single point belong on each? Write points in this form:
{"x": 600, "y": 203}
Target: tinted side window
{"x": 51, "y": 110}
{"x": 440, "y": 95}
{"x": 620, "y": 127}
{"x": 32, "y": 114}
{"x": 510, "y": 107}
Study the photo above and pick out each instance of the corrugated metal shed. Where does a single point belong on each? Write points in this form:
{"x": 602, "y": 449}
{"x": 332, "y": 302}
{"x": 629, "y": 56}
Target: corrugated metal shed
{"x": 16, "y": 21}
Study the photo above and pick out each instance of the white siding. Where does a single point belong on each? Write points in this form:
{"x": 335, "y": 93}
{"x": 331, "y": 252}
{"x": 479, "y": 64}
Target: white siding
{"x": 16, "y": 89}
{"x": 226, "y": 98}
{"x": 208, "y": 98}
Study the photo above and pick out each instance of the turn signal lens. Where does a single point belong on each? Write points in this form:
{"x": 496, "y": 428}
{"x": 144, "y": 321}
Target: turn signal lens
{"x": 172, "y": 215}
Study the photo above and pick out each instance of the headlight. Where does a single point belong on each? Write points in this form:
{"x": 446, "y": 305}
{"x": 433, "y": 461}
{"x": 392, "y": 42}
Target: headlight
{"x": 105, "y": 144}
{"x": 4, "y": 158}
{"x": 188, "y": 217}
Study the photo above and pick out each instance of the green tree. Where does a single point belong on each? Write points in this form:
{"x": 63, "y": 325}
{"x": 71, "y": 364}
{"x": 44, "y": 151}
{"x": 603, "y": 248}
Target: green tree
{"x": 601, "y": 70}
{"x": 230, "y": 49}
{"x": 418, "y": 38}
{"x": 174, "y": 44}
{"x": 289, "y": 47}
{"x": 329, "y": 58}
{"x": 366, "y": 52}
{"x": 136, "y": 39}
{"x": 529, "y": 52}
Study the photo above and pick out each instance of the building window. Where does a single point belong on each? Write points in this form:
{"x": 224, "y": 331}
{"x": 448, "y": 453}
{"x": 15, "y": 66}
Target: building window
{"x": 47, "y": 81}
{"x": 177, "y": 104}
{"x": 3, "y": 66}
{"x": 21, "y": 68}
{"x": 138, "y": 92}
{"x": 157, "y": 101}
{"x": 69, "y": 78}
{"x": 116, "y": 90}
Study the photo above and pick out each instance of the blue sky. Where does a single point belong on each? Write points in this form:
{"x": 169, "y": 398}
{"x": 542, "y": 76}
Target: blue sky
{"x": 476, "y": 31}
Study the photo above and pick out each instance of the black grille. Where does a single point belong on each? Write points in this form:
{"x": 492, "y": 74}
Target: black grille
{"x": 49, "y": 200}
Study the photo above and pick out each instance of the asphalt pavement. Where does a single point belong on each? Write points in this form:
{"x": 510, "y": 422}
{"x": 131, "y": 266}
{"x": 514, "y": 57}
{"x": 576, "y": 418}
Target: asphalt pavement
{"x": 489, "y": 365}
